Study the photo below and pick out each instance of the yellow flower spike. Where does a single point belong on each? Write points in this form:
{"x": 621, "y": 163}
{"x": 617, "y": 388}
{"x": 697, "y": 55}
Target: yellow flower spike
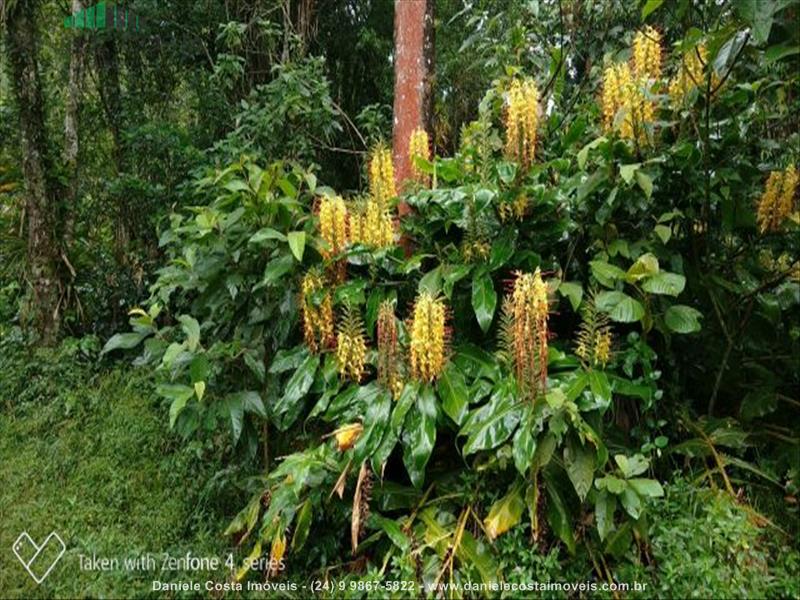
{"x": 381, "y": 176}
{"x": 351, "y": 346}
{"x": 347, "y": 436}
{"x": 691, "y": 74}
{"x": 317, "y": 319}
{"x": 602, "y": 347}
{"x": 428, "y": 337}
{"x": 419, "y": 146}
{"x": 647, "y": 53}
{"x": 777, "y": 200}
{"x": 522, "y": 120}
{"x": 388, "y": 349}
{"x": 333, "y": 221}
{"x": 529, "y": 308}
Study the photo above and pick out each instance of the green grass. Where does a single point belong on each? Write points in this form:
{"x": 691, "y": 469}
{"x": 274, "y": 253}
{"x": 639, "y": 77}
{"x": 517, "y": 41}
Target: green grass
{"x": 89, "y": 455}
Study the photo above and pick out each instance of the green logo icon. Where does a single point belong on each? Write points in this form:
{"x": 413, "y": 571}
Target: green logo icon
{"x": 102, "y": 16}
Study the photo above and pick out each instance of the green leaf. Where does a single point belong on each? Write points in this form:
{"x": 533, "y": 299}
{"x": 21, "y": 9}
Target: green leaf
{"x": 759, "y": 15}
{"x": 524, "y": 446}
{"x": 573, "y": 291}
{"x": 236, "y": 412}
{"x": 649, "y": 488}
{"x": 431, "y": 282}
{"x": 191, "y": 328}
{"x": 302, "y": 525}
{"x": 606, "y": 273}
{"x": 393, "y": 531}
{"x": 289, "y": 405}
{"x": 484, "y": 300}
{"x": 558, "y": 516}
{"x": 600, "y": 386}
{"x": 419, "y": 436}
{"x": 286, "y": 360}
{"x": 663, "y": 232}
{"x": 583, "y": 153}
{"x": 628, "y": 171}
{"x": 276, "y": 269}
{"x": 645, "y": 182}
{"x": 492, "y": 424}
{"x": 579, "y": 462}
{"x": 376, "y": 423}
{"x": 670, "y": 284}
{"x": 683, "y": 319}
{"x": 647, "y": 9}
{"x": 179, "y": 394}
{"x": 297, "y": 243}
{"x": 645, "y": 266}
{"x": 454, "y": 393}
{"x": 265, "y": 234}
{"x": 605, "y": 505}
{"x": 619, "y": 306}
{"x": 544, "y": 451}
{"x": 123, "y": 341}
{"x": 615, "y": 485}
{"x": 631, "y": 502}
{"x": 631, "y": 465}
{"x": 505, "y": 513}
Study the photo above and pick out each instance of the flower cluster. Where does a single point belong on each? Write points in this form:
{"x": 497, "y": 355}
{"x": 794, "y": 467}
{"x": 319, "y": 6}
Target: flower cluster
{"x": 428, "y": 337}
{"x": 624, "y": 100}
{"x": 333, "y": 224}
{"x": 522, "y": 119}
{"x": 372, "y": 226}
{"x": 316, "y": 309}
{"x": 514, "y": 210}
{"x": 388, "y": 351}
{"x": 381, "y": 176}
{"x": 690, "y": 75}
{"x": 777, "y": 200}
{"x": 528, "y": 309}
{"x": 351, "y": 346}
{"x": 419, "y": 147}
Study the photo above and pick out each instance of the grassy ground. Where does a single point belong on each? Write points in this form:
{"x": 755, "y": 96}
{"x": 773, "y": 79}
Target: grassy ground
{"x": 89, "y": 457}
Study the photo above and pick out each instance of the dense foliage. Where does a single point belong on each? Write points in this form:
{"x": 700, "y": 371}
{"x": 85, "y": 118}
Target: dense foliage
{"x": 580, "y": 340}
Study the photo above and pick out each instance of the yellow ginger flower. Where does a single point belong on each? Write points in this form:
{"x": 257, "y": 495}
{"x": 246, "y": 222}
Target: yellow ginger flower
{"x": 317, "y": 318}
{"x": 621, "y": 91}
{"x": 529, "y": 308}
{"x": 777, "y": 201}
{"x": 419, "y": 146}
{"x": 333, "y": 224}
{"x": 428, "y": 337}
{"x": 351, "y": 346}
{"x": 388, "y": 349}
{"x": 690, "y": 75}
{"x": 276, "y": 554}
{"x": 381, "y": 176}
{"x": 373, "y": 227}
{"x": 647, "y": 54}
{"x": 522, "y": 119}
{"x": 347, "y": 436}
{"x": 602, "y": 347}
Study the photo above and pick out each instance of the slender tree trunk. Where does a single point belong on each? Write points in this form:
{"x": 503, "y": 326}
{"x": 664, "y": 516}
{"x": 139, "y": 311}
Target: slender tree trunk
{"x": 71, "y": 125}
{"x": 413, "y": 68}
{"x": 39, "y": 206}
{"x": 107, "y": 61}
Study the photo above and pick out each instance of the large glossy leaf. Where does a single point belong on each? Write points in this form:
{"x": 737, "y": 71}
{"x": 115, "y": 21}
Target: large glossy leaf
{"x": 645, "y": 266}
{"x": 670, "y": 284}
{"x": 454, "y": 393}
{"x": 505, "y": 513}
{"x": 605, "y": 505}
{"x": 288, "y": 408}
{"x": 493, "y": 423}
{"x": 619, "y": 306}
{"x": 484, "y": 300}
{"x": 297, "y": 243}
{"x": 683, "y": 319}
{"x": 579, "y": 461}
{"x": 123, "y": 341}
{"x": 606, "y": 273}
{"x": 419, "y": 435}
{"x": 558, "y": 516}
{"x": 524, "y": 446}
{"x": 376, "y": 423}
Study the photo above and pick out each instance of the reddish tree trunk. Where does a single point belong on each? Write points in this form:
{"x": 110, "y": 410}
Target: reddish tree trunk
{"x": 413, "y": 68}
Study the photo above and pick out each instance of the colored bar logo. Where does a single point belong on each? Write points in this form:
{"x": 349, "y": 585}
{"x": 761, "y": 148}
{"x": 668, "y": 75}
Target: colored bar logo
{"x": 103, "y": 16}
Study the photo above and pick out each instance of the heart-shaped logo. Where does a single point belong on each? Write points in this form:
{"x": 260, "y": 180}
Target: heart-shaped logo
{"x": 39, "y": 559}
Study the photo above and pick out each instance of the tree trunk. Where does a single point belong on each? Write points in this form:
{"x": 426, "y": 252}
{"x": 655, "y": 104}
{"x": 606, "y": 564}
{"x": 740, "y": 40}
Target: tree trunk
{"x": 40, "y": 207}
{"x": 413, "y": 68}
{"x": 71, "y": 139}
{"x": 107, "y": 61}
